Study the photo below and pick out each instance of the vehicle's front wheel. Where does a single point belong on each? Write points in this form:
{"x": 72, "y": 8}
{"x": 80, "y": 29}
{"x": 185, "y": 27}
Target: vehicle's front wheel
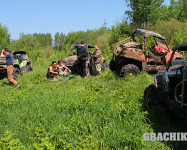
{"x": 104, "y": 65}
{"x": 150, "y": 95}
{"x": 16, "y": 73}
{"x": 2, "y": 74}
{"x": 112, "y": 65}
{"x": 129, "y": 70}
{"x": 29, "y": 67}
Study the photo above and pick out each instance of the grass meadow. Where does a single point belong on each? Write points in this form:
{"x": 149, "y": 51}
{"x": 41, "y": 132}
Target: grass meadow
{"x": 99, "y": 112}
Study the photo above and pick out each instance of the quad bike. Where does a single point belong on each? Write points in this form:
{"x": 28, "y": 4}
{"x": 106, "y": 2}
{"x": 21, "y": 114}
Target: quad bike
{"x": 143, "y": 51}
{"x": 74, "y": 64}
{"x": 22, "y": 63}
{"x": 170, "y": 89}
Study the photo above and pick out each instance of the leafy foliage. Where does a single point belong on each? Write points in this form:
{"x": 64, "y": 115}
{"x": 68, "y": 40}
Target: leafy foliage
{"x": 4, "y": 37}
{"x": 8, "y": 142}
{"x": 142, "y": 11}
{"x": 44, "y": 39}
{"x": 29, "y": 44}
{"x": 59, "y": 41}
{"x": 145, "y": 12}
{"x": 173, "y": 30}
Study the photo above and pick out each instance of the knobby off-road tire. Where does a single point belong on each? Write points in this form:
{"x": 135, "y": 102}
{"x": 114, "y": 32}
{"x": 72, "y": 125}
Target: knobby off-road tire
{"x": 104, "y": 66}
{"x": 112, "y": 65}
{"x": 2, "y": 74}
{"x": 16, "y": 73}
{"x": 160, "y": 96}
{"x": 129, "y": 70}
{"x": 150, "y": 96}
{"x": 29, "y": 67}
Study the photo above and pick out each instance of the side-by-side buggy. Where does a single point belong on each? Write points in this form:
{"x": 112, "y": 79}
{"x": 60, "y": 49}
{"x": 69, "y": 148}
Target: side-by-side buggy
{"x": 170, "y": 89}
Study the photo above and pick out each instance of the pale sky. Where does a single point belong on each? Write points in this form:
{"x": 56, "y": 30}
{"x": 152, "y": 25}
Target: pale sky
{"x": 51, "y": 16}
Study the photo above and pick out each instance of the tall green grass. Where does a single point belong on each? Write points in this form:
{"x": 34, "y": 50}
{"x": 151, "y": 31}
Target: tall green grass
{"x": 99, "y": 112}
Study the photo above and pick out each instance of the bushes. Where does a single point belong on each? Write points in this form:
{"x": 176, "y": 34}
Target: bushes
{"x": 181, "y": 34}
{"x": 173, "y": 30}
{"x": 103, "y": 42}
{"x": 29, "y": 44}
{"x": 48, "y": 51}
{"x": 8, "y": 142}
{"x": 4, "y": 37}
{"x": 120, "y": 31}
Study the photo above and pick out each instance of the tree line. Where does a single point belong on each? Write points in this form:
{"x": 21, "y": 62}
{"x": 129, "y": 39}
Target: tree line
{"x": 145, "y": 12}
{"x": 170, "y": 21}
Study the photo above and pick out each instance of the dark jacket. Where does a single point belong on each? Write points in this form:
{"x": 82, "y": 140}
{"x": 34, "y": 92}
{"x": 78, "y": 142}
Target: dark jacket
{"x": 82, "y": 52}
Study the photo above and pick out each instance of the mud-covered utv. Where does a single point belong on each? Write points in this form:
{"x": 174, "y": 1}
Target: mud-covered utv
{"x": 143, "y": 51}
{"x": 74, "y": 64}
{"x": 170, "y": 89}
{"x": 22, "y": 63}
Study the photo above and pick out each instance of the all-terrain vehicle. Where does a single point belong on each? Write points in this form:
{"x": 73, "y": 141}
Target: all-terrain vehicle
{"x": 22, "y": 63}
{"x": 170, "y": 89}
{"x": 143, "y": 51}
{"x": 74, "y": 64}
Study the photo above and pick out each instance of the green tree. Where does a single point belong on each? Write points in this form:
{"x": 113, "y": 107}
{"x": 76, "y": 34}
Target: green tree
{"x": 141, "y": 11}
{"x": 174, "y": 9}
{"x": 120, "y": 31}
{"x": 159, "y": 13}
{"x": 103, "y": 41}
{"x": 183, "y": 10}
{"x": 49, "y": 39}
{"x": 44, "y": 39}
{"x": 4, "y": 37}
{"x": 62, "y": 39}
{"x": 57, "y": 41}
{"x": 29, "y": 44}
{"x": 174, "y": 31}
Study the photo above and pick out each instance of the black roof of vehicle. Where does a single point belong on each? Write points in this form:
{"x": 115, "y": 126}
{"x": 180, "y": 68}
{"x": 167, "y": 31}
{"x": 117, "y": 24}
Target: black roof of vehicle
{"x": 19, "y": 52}
{"x": 147, "y": 33}
{"x": 181, "y": 47}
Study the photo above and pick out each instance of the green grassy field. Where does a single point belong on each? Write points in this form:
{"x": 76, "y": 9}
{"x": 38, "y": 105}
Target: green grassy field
{"x": 99, "y": 112}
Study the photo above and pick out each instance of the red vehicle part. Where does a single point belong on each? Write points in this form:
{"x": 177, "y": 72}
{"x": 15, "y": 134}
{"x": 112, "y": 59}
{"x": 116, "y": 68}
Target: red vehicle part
{"x": 162, "y": 48}
{"x": 168, "y": 56}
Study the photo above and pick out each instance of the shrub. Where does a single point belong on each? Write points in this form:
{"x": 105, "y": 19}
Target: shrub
{"x": 173, "y": 30}
{"x": 29, "y": 44}
{"x": 4, "y": 37}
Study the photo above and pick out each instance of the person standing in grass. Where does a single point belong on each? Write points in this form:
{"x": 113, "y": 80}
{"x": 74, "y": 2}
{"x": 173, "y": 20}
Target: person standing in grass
{"x": 82, "y": 55}
{"x": 52, "y": 71}
{"x": 10, "y": 68}
{"x": 96, "y": 60}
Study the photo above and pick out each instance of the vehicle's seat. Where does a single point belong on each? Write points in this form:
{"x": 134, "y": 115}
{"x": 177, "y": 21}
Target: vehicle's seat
{"x": 155, "y": 58}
